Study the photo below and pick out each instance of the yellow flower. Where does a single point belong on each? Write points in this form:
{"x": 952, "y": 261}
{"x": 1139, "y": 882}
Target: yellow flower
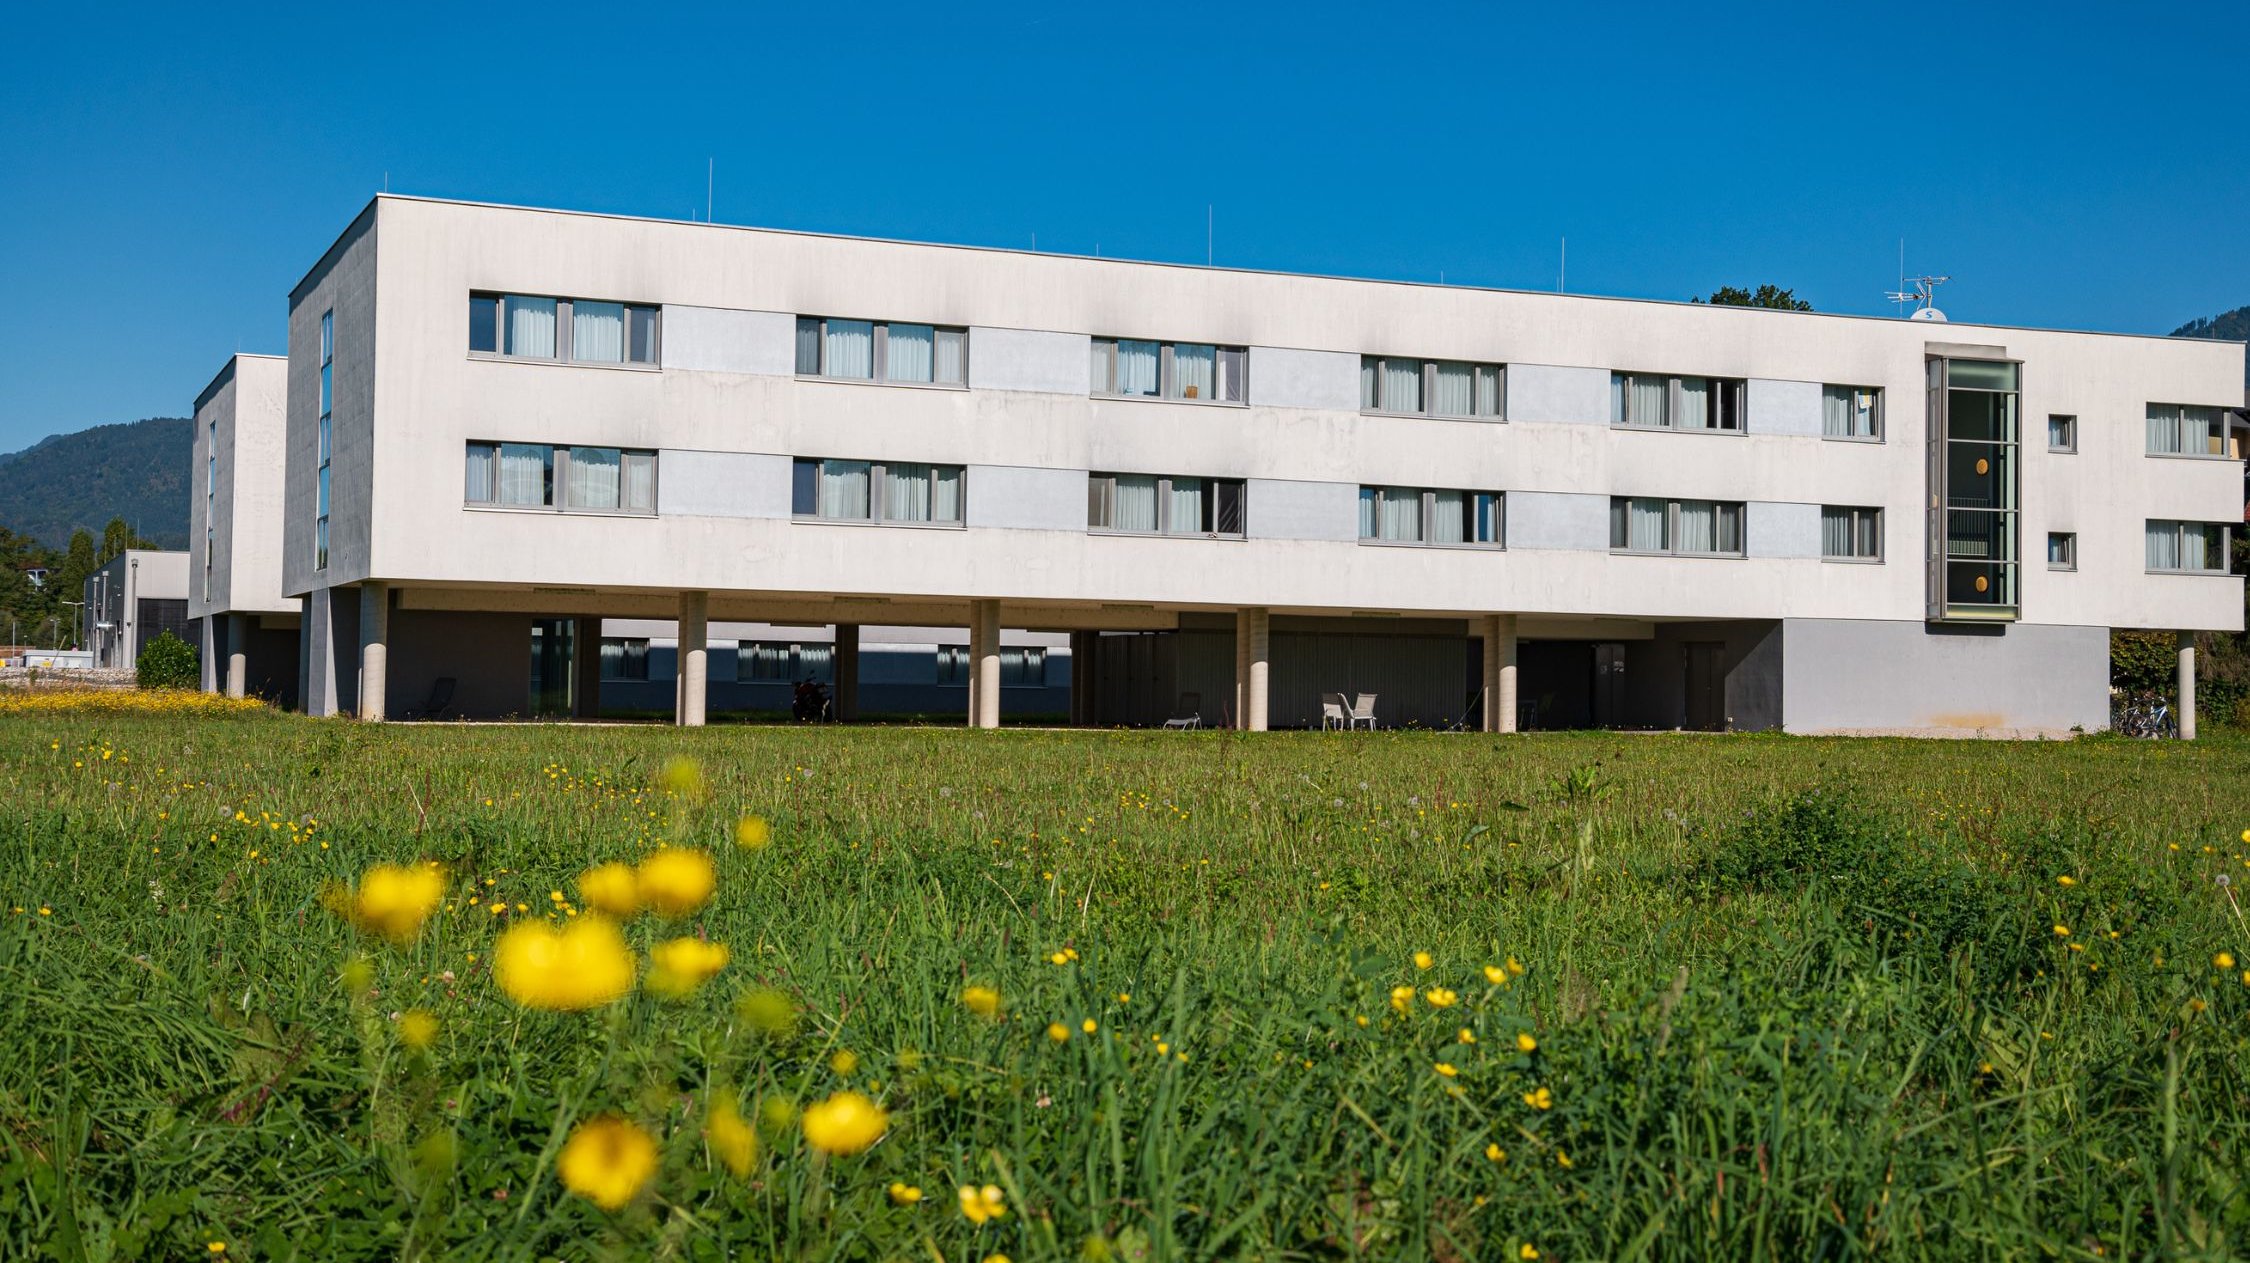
{"x": 843, "y": 1061}
{"x": 1466, "y": 1036}
{"x": 607, "y": 1160}
{"x": 1495, "y": 975}
{"x": 393, "y": 900}
{"x": 2061, "y": 930}
{"x": 612, "y": 888}
{"x": 682, "y": 776}
{"x": 1402, "y": 997}
{"x": 676, "y": 881}
{"x": 767, "y": 1011}
{"x": 1525, "y": 1043}
{"x": 1089, "y": 1026}
{"x": 903, "y": 1194}
{"x": 216, "y": 1247}
{"x": 678, "y": 966}
{"x": 583, "y": 965}
{"x": 982, "y": 1001}
{"x": 1423, "y": 960}
{"x": 732, "y": 1139}
{"x": 2066, "y": 880}
{"x": 358, "y": 976}
{"x": 1528, "y": 1252}
{"x": 1058, "y": 1032}
{"x": 1515, "y": 968}
{"x": 1539, "y": 1099}
{"x": 417, "y": 1029}
{"x": 982, "y": 1205}
{"x": 1495, "y": 1153}
{"x": 997, "y": 1258}
{"x": 1563, "y": 1160}
{"x": 1445, "y": 1068}
{"x": 1440, "y": 998}
{"x": 752, "y": 833}
{"x": 1058, "y": 958}
{"x": 845, "y": 1123}
{"x": 2224, "y": 960}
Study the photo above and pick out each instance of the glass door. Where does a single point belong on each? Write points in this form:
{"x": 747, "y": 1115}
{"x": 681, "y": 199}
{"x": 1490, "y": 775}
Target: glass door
{"x": 554, "y": 674}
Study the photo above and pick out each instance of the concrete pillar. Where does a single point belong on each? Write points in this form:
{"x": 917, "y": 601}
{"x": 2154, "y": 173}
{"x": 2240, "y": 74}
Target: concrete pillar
{"x": 1253, "y": 656}
{"x": 374, "y": 648}
{"x": 847, "y": 672}
{"x": 1500, "y": 673}
{"x": 238, "y": 654}
{"x": 2187, "y": 686}
{"x": 694, "y": 658}
{"x": 984, "y": 662}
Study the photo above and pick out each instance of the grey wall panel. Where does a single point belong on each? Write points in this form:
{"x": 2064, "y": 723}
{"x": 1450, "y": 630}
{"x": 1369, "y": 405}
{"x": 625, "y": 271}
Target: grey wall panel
{"x": 1558, "y": 519}
{"x": 1029, "y": 359}
{"x": 1027, "y": 499}
{"x": 1281, "y": 509}
{"x": 717, "y": 340}
{"x": 1778, "y": 407}
{"x": 1854, "y": 675}
{"x": 488, "y": 656}
{"x": 1552, "y": 393}
{"x": 1781, "y": 530}
{"x": 722, "y": 484}
{"x": 1655, "y": 684}
{"x": 1284, "y": 377}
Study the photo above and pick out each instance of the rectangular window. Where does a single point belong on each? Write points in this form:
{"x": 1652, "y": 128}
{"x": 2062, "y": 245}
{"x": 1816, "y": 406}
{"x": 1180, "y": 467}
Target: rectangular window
{"x": 775, "y": 662}
{"x": 572, "y": 479}
{"x": 1164, "y": 504}
{"x": 1653, "y": 401}
{"x": 897, "y": 492}
{"x": 2062, "y": 550}
{"x": 1973, "y": 523}
{"x": 578, "y": 330}
{"x": 327, "y": 429}
{"x": 1851, "y": 534}
{"x": 1127, "y": 368}
{"x": 1440, "y": 517}
{"x": 1851, "y": 412}
{"x": 2182, "y": 430}
{"x": 1694, "y": 528}
{"x": 1435, "y": 388}
{"x": 2062, "y": 434}
{"x": 882, "y": 351}
{"x": 2187, "y": 547}
{"x": 624, "y": 659}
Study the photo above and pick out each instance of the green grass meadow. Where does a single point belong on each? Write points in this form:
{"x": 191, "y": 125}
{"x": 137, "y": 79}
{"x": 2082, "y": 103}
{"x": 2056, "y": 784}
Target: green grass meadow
{"x": 1787, "y": 998}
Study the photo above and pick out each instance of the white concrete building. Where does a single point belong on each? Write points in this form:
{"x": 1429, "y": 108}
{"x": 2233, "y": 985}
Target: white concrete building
{"x": 248, "y": 626}
{"x": 138, "y": 595}
{"x": 1233, "y": 491}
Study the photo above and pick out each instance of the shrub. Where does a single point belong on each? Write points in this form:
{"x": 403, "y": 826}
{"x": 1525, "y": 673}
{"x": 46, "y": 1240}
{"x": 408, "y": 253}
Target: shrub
{"x": 169, "y": 662}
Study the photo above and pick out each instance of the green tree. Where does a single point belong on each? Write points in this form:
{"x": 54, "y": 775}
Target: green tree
{"x": 67, "y": 582}
{"x": 1765, "y": 296}
{"x": 116, "y": 538}
{"x": 168, "y": 662}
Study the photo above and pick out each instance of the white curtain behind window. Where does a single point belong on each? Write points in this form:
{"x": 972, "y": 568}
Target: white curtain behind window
{"x": 808, "y": 346}
{"x": 1136, "y": 368}
{"x": 1488, "y": 392}
{"x": 1699, "y": 528}
{"x": 1402, "y": 385}
{"x": 1449, "y": 518}
{"x": 1366, "y": 384}
{"x": 849, "y": 349}
{"x": 1233, "y": 366}
{"x": 531, "y": 326}
{"x": 523, "y": 473}
{"x": 945, "y": 493}
{"x": 1645, "y": 526}
{"x": 1136, "y": 502}
{"x": 906, "y": 493}
{"x": 952, "y": 357}
{"x": 909, "y": 353}
{"x": 2163, "y": 545}
{"x": 1650, "y": 400}
{"x": 1456, "y": 390}
{"x": 1835, "y": 532}
{"x": 594, "y": 478}
{"x": 843, "y": 489}
{"x": 478, "y": 474}
{"x": 2164, "y": 430}
{"x": 1194, "y": 369}
{"x": 597, "y": 332}
{"x": 1695, "y": 404}
{"x": 1367, "y": 513}
{"x": 640, "y": 482}
{"x": 1836, "y": 411}
{"x": 2199, "y": 432}
{"x": 1098, "y": 377}
{"x": 1401, "y": 513}
{"x": 1186, "y": 506}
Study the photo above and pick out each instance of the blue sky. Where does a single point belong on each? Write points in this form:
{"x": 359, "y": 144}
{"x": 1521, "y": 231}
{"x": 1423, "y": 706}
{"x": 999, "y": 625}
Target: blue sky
{"x": 167, "y": 174}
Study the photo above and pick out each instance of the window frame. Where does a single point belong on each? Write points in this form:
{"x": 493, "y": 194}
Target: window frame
{"x": 1428, "y": 374}
{"x": 877, "y": 471}
{"x": 1870, "y": 512}
{"x": 564, "y": 308}
{"x": 2179, "y": 432}
{"x": 1428, "y": 517}
{"x": 1164, "y": 505}
{"x": 558, "y": 458}
{"x": 2179, "y": 527}
{"x": 878, "y": 356}
{"x": 2069, "y": 446}
{"x": 631, "y": 651}
{"x": 1672, "y": 527}
{"x": 1881, "y": 421}
{"x": 2069, "y": 563}
{"x": 1167, "y": 371}
{"x": 1736, "y": 387}
{"x": 326, "y": 439}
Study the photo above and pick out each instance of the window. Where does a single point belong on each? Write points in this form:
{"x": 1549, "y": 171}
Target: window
{"x": 1127, "y": 368}
{"x": 572, "y": 479}
{"x": 1851, "y": 412}
{"x": 1161, "y": 504}
{"x": 1440, "y": 518}
{"x": 1654, "y": 401}
{"x": 624, "y": 659}
{"x": 2062, "y": 550}
{"x": 577, "y": 330}
{"x": 1851, "y": 534}
{"x": 1021, "y": 666}
{"x": 1975, "y": 532}
{"x": 2187, "y": 548}
{"x": 876, "y": 491}
{"x": 327, "y": 431}
{"x": 1703, "y": 528}
{"x": 872, "y": 350}
{"x": 771, "y": 662}
{"x": 1436, "y": 388}
{"x": 2062, "y": 434}
{"x": 2179, "y": 430}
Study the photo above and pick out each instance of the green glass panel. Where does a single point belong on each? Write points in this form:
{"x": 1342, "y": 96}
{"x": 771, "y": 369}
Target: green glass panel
{"x": 1980, "y": 374}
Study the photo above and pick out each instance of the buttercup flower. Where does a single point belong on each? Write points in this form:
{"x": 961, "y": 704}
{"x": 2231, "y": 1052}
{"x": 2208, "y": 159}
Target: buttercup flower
{"x": 583, "y": 965}
{"x": 982, "y": 1001}
{"x": 1495, "y": 1153}
{"x": 1525, "y": 1043}
{"x": 1402, "y": 997}
{"x": 843, "y": 1061}
{"x": 1440, "y": 998}
{"x": 767, "y": 1011}
{"x": 982, "y": 1205}
{"x": 844, "y": 1123}
{"x": 2224, "y": 960}
{"x": 417, "y": 1028}
{"x": 1539, "y": 1099}
{"x": 612, "y": 888}
{"x": 1495, "y": 975}
{"x": 903, "y": 1194}
{"x": 1445, "y": 1068}
{"x": 1423, "y": 960}
{"x": 393, "y": 900}
{"x": 731, "y": 1139}
{"x": 752, "y": 833}
{"x": 607, "y": 1160}
{"x": 1058, "y": 1032}
{"x": 682, "y": 776}
{"x": 678, "y": 966}
{"x": 676, "y": 881}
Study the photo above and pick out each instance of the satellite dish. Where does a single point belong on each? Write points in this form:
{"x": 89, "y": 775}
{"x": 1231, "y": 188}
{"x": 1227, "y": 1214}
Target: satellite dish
{"x": 1928, "y": 313}
{"x": 1925, "y": 289}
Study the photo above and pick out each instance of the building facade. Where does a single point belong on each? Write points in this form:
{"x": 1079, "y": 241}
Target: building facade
{"x": 135, "y": 597}
{"x": 1234, "y": 494}
{"x": 248, "y": 627}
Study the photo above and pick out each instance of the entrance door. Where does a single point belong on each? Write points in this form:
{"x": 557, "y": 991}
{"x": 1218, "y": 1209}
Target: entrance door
{"x": 1609, "y": 683}
{"x": 1706, "y": 686}
{"x": 553, "y": 657}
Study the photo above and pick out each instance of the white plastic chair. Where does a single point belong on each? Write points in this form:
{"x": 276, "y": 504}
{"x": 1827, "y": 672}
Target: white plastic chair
{"x": 1363, "y": 711}
{"x": 1188, "y": 714}
{"x": 1333, "y": 713}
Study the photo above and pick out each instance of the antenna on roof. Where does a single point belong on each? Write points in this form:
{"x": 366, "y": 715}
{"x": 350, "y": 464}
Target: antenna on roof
{"x": 710, "y": 179}
{"x": 1562, "y": 272}
{"x": 1923, "y": 293}
{"x": 1210, "y": 228}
